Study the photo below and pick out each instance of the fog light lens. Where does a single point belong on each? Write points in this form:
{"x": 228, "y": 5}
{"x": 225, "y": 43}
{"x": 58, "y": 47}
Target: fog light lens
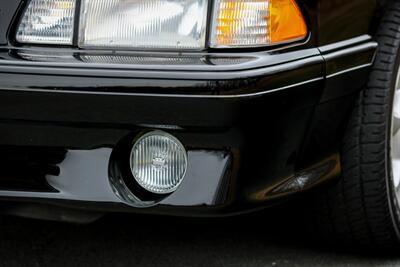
{"x": 158, "y": 162}
{"x": 47, "y": 22}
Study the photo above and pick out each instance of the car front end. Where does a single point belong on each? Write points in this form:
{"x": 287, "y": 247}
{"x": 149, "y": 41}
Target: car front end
{"x": 234, "y": 122}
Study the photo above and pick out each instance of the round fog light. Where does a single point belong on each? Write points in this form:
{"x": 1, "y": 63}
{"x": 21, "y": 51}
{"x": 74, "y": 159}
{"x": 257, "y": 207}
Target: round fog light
{"x": 158, "y": 162}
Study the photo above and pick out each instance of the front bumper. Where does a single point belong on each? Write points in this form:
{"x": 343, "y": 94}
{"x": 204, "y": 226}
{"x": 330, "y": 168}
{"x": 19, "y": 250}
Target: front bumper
{"x": 251, "y": 121}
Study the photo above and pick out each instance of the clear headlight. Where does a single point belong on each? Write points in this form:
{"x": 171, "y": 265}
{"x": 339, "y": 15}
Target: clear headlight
{"x": 48, "y": 22}
{"x": 177, "y": 24}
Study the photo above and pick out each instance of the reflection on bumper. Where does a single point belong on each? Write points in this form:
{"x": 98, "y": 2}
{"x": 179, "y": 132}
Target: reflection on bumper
{"x": 84, "y": 176}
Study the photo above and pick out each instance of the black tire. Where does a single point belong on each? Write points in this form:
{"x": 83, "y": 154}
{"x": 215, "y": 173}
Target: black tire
{"x": 361, "y": 209}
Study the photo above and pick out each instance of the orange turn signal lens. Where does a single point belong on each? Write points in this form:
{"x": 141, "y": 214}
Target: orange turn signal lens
{"x": 253, "y": 23}
{"x": 285, "y": 21}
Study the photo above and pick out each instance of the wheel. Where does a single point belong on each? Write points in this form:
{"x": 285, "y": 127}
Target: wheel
{"x": 362, "y": 208}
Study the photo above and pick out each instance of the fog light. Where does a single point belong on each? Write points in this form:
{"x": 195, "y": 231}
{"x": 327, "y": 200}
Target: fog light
{"x": 158, "y": 162}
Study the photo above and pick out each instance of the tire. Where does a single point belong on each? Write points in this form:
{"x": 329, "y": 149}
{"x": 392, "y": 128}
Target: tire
{"x": 362, "y": 209}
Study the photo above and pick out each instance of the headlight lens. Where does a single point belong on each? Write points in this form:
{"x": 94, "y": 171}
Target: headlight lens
{"x": 48, "y": 22}
{"x": 162, "y": 24}
{"x": 177, "y": 24}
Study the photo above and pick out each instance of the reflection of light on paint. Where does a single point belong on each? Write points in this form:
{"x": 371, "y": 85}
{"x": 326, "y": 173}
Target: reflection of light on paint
{"x": 305, "y": 179}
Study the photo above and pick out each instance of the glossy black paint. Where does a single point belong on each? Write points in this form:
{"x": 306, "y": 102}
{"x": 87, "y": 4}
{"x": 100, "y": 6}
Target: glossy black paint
{"x": 340, "y": 20}
{"x": 251, "y": 119}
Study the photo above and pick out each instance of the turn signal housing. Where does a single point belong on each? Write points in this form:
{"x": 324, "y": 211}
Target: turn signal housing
{"x": 253, "y": 23}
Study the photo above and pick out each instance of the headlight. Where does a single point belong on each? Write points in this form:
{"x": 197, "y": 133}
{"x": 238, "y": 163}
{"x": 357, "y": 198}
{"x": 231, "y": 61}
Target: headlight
{"x": 177, "y": 24}
{"x": 48, "y": 22}
{"x": 162, "y": 24}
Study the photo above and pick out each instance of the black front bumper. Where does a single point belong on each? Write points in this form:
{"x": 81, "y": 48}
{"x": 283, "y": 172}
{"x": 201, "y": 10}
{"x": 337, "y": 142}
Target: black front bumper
{"x": 251, "y": 121}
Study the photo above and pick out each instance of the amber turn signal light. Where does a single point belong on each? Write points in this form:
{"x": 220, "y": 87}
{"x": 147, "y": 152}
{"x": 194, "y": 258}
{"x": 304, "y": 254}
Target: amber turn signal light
{"x": 254, "y": 23}
{"x": 285, "y": 21}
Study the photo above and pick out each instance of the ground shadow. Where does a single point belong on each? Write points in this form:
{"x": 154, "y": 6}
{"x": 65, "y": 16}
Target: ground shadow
{"x": 262, "y": 239}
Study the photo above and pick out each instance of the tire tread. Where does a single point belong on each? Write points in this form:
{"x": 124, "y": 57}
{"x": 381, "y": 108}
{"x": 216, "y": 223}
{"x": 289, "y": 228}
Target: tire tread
{"x": 356, "y": 208}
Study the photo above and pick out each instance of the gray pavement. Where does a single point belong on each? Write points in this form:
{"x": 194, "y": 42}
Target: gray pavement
{"x": 165, "y": 241}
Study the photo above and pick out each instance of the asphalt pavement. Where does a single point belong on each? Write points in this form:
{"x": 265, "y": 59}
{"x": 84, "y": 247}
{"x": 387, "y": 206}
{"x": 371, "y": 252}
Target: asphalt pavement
{"x": 137, "y": 240}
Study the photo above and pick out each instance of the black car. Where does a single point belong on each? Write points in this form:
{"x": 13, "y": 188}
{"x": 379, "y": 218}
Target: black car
{"x": 203, "y": 108}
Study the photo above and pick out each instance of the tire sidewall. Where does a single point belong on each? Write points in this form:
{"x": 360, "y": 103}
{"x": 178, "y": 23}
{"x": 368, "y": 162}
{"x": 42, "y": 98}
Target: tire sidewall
{"x": 392, "y": 197}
